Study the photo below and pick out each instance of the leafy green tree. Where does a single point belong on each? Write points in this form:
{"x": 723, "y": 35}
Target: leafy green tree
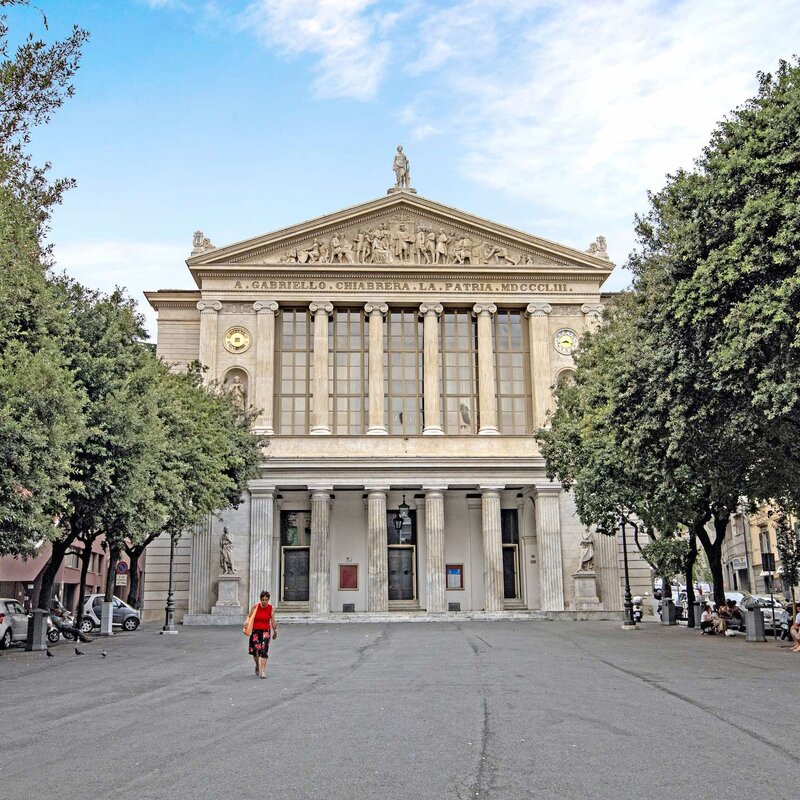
{"x": 788, "y": 544}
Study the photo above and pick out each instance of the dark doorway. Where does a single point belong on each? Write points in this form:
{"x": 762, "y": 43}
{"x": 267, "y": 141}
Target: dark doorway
{"x": 295, "y": 545}
{"x": 295, "y": 573}
{"x": 401, "y": 572}
{"x": 509, "y": 525}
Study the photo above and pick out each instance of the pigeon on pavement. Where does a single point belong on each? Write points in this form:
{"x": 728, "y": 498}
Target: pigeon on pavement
{"x": 78, "y": 652}
{"x": 49, "y": 654}
{"x": 104, "y": 654}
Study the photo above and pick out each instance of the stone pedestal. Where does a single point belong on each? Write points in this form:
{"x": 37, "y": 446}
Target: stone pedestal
{"x": 585, "y": 596}
{"x": 227, "y": 596}
{"x": 37, "y": 630}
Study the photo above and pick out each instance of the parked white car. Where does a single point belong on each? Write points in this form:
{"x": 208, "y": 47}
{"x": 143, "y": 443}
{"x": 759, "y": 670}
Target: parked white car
{"x": 13, "y": 622}
{"x": 124, "y": 616}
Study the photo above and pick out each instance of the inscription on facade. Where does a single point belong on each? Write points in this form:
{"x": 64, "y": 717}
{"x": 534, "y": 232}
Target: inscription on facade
{"x": 436, "y": 287}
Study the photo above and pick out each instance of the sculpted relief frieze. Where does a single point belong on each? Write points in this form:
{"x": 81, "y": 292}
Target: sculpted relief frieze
{"x": 400, "y": 238}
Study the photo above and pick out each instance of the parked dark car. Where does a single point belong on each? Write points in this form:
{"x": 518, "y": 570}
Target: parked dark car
{"x": 124, "y": 616}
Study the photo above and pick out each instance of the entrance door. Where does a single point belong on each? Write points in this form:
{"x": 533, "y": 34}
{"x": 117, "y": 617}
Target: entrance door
{"x": 401, "y": 572}
{"x": 295, "y": 573}
{"x": 510, "y": 571}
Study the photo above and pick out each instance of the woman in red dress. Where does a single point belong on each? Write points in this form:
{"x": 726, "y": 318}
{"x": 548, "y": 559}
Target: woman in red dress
{"x": 263, "y": 624}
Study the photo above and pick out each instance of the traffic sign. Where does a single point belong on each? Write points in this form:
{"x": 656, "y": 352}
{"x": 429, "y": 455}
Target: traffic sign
{"x": 122, "y": 568}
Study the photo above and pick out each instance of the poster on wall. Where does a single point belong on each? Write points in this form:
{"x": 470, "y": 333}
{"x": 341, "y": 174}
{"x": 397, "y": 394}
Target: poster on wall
{"x": 455, "y": 576}
{"x": 348, "y": 577}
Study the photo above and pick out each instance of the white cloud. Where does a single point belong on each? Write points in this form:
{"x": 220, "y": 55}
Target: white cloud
{"x": 346, "y": 37}
{"x": 136, "y": 266}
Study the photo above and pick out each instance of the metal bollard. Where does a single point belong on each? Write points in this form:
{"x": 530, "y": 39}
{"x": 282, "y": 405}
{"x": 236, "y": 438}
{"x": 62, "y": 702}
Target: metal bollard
{"x": 754, "y": 624}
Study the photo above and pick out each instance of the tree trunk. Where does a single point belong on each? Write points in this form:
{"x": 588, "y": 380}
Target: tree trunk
{"x": 134, "y": 553}
{"x": 111, "y": 577}
{"x": 86, "y": 557}
{"x": 57, "y": 553}
{"x": 692, "y": 557}
{"x": 714, "y": 553}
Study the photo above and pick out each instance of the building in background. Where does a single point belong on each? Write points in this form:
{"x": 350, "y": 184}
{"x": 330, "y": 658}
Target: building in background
{"x": 401, "y": 354}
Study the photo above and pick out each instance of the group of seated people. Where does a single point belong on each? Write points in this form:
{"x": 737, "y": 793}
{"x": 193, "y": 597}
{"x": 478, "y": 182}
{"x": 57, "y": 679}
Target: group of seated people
{"x": 716, "y": 620}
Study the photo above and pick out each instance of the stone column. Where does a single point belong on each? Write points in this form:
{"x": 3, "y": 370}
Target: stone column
{"x": 376, "y": 312}
{"x": 541, "y": 380}
{"x": 548, "y": 529}
{"x": 593, "y": 315}
{"x": 377, "y": 552}
{"x": 492, "y": 548}
{"x": 319, "y": 590}
{"x": 434, "y": 535}
{"x": 262, "y": 532}
{"x": 209, "y": 312}
{"x": 487, "y": 398}
{"x": 200, "y": 568}
{"x": 264, "y": 379}
{"x": 320, "y": 423}
{"x": 607, "y": 559}
{"x": 431, "y": 390}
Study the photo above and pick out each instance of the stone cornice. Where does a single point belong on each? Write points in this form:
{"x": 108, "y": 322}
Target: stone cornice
{"x": 173, "y": 298}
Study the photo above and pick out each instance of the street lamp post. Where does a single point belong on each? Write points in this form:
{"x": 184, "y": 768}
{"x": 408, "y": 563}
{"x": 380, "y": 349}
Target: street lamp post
{"x": 402, "y": 515}
{"x": 628, "y": 621}
{"x": 169, "y": 609}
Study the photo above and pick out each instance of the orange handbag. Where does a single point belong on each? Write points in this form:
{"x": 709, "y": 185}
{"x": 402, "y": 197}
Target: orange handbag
{"x": 247, "y": 628}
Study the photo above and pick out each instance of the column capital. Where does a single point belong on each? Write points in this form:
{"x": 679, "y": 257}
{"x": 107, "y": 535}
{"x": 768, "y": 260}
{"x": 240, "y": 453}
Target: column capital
{"x": 593, "y": 313}
{"x": 265, "y": 306}
{"x": 538, "y": 309}
{"x": 431, "y": 309}
{"x": 209, "y": 306}
{"x": 258, "y": 489}
{"x": 548, "y": 489}
{"x": 321, "y": 308}
{"x": 490, "y": 490}
{"x": 320, "y": 490}
{"x": 484, "y": 309}
{"x": 372, "y": 309}
{"x": 427, "y": 488}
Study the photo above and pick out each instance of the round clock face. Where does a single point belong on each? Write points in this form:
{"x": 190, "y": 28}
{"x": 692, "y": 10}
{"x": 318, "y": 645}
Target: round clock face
{"x": 566, "y": 341}
{"x": 237, "y": 340}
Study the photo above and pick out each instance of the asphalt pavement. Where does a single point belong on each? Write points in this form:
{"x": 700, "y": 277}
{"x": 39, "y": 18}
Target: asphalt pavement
{"x": 461, "y": 711}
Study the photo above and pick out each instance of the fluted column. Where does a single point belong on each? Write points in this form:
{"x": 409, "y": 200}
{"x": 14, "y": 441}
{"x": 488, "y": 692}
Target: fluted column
{"x": 320, "y": 422}
{"x": 378, "y": 556}
{"x": 606, "y": 559}
{"x": 376, "y": 312}
{"x": 487, "y": 396}
{"x": 264, "y": 379}
{"x": 548, "y": 528}
{"x": 431, "y": 390}
{"x": 541, "y": 380}
{"x": 492, "y": 549}
{"x": 434, "y": 535}
{"x": 200, "y": 568}
{"x": 319, "y": 594}
{"x": 262, "y": 527}
{"x": 209, "y": 313}
{"x": 593, "y": 315}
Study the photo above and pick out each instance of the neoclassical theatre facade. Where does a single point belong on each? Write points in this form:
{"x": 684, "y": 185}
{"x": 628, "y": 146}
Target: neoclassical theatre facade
{"x": 400, "y": 354}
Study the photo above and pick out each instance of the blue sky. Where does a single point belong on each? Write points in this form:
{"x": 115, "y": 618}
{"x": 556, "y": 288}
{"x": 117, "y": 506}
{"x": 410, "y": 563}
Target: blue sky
{"x": 241, "y": 117}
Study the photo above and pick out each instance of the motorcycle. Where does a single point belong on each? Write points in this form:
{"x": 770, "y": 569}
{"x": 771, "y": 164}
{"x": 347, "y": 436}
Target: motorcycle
{"x": 60, "y": 626}
{"x": 638, "y": 613}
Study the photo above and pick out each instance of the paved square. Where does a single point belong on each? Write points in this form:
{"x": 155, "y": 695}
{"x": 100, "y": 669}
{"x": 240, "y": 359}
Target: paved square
{"x": 404, "y": 711}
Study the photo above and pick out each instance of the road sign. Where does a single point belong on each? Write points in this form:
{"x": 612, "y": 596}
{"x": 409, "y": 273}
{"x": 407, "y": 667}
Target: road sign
{"x": 122, "y": 568}
{"x": 122, "y": 580}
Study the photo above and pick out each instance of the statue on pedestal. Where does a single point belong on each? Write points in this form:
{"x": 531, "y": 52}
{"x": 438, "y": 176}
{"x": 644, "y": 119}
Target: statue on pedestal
{"x": 226, "y": 553}
{"x": 401, "y": 169}
{"x": 587, "y": 552}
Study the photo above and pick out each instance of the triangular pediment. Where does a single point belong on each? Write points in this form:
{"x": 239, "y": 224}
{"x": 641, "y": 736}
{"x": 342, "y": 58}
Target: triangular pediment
{"x": 402, "y": 228}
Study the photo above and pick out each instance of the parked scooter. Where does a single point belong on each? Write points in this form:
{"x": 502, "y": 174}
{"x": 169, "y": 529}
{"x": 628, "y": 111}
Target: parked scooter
{"x": 638, "y": 613}
{"x": 63, "y": 625}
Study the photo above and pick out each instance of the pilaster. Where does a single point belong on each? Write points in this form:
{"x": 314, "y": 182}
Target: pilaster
{"x": 262, "y": 527}
{"x": 492, "y": 548}
{"x": 319, "y": 595}
{"x": 377, "y": 566}
{"x": 435, "y": 566}
{"x": 593, "y": 314}
{"x": 209, "y": 315}
{"x": 539, "y": 339}
{"x": 548, "y": 527}
{"x": 487, "y": 388}
{"x": 320, "y": 422}
{"x": 264, "y": 388}
{"x": 375, "y": 313}
{"x": 430, "y": 313}
{"x": 200, "y": 568}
